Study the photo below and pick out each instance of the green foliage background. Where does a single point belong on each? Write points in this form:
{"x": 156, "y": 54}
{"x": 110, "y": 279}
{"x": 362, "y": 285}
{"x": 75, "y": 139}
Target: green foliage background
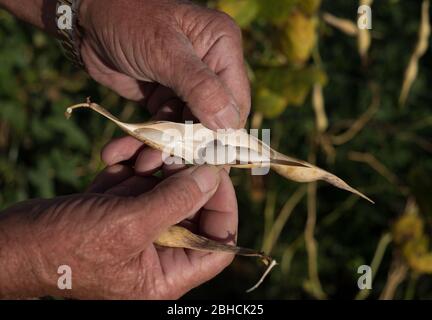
{"x": 289, "y": 49}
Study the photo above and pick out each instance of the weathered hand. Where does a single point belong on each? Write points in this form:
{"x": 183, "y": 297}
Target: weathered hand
{"x": 106, "y": 236}
{"x": 195, "y": 51}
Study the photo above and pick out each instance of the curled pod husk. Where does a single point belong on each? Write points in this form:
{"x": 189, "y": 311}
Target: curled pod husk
{"x": 191, "y": 142}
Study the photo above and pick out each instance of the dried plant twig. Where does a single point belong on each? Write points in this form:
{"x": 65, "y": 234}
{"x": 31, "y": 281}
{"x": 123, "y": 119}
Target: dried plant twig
{"x": 420, "y": 49}
{"x": 361, "y": 122}
{"x": 364, "y": 36}
{"x": 313, "y": 284}
{"x": 282, "y": 218}
{"x": 269, "y": 268}
{"x": 379, "y": 167}
{"x": 345, "y": 25}
{"x": 383, "y": 243}
{"x": 397, "y": 274}
{"x": 319, "y": 108}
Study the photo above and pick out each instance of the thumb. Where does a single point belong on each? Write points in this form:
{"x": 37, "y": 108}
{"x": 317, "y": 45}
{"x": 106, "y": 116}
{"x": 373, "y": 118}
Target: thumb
{"x": 204, "y": 92}
{"x": 175, "y": 199}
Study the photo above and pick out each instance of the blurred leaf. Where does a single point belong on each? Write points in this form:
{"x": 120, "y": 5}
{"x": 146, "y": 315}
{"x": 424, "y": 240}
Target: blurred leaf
{"x": 41, "y": 178}
{"x": 40, "y": 131}
{"x": 278, "y": 88}
{"x": 408, "y": 227}
{"x": 14, "y": 115}
{"x": 309, "y": 7}
{"x": 298, "y": 37}
{"x": 276, "y": 11}
{"x": 409, "y": 234}
{"x": 72, "y": 134}
{"x": 65, "y": 166}
{"x": 242, "y": 11}
{"x": 269, "y": 103}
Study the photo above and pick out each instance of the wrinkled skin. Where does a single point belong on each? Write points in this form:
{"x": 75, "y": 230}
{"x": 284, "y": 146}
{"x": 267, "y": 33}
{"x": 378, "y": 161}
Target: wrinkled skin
{"x": 106, "y": 236}
{"x": 195, "y": 51}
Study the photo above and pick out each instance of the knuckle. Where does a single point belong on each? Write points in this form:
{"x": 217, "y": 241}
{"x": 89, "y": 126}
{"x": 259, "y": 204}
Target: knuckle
{"x": 229, "y": 25}
{"x": 206, "y": 91}
{"x": 224, "y": 18}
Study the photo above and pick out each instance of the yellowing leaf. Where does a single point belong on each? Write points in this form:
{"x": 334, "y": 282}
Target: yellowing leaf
{"x": 242, "y": 11}
{"x": 299, "y": 37}
{"x": 410, "y": 236}
{"x": 422, "y": 263}
{"x": 270, "y": 103}
{"x": 309, "y": 7}
{"x": 407, "y": 227}
{"x": 277, "y": 88}
{"x": 276, "y": 11}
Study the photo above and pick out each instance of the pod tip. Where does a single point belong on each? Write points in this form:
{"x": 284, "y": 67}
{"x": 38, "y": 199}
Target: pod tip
{"x": 269, "y": 268}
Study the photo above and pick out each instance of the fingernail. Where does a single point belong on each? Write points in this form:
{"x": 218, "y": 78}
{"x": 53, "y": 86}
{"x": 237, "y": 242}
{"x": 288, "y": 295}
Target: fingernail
{"x": 206, "y": 177}
{"x": 228, "y": 117}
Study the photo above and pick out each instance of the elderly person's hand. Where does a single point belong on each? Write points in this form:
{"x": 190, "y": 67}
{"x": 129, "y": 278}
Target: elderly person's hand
{"x": 106, "y": 236}
{"x": 195, "y": 51}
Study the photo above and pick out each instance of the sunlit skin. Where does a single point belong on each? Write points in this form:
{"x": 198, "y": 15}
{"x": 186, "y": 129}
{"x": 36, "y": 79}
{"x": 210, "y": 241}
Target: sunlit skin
{"x": 106, "y": 236}
{"x": 195, "y": 51}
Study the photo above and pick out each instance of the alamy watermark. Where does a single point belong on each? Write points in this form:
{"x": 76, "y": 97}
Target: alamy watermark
{"x": 195, "y": 144}
{"x": 64, "y": 17}
{"x": 364, "y": 282}
{"x": 64, "y": 282}
{"x": 364, "y": 20}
